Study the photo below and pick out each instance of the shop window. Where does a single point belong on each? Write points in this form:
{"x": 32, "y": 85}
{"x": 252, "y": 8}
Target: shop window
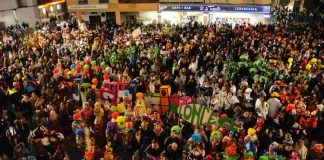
{"x": 83, "y": 1}
{"x": 103, "y": 1}
{"x": 248, "y": 1}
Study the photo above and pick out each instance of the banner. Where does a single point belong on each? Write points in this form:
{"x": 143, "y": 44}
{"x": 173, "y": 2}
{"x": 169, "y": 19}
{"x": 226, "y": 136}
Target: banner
{"x": 215, "y": 8}
{"x": 199, "y": 115}
{"x": 196, "y": 114}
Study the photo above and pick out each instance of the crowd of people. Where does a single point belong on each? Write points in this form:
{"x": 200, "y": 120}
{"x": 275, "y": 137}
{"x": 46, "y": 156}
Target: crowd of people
{"x": 268, "y": 78}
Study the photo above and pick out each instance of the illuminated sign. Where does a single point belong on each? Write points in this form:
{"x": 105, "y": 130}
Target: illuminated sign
{"x": 78, "y": 7}
{"x": 215, "y": 8}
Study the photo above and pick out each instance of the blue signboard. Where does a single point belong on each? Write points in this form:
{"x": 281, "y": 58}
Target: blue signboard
{"x": 215, "y": 8}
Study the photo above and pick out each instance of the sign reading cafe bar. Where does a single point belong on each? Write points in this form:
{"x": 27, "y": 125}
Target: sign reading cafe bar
{"x": 215, "y": 8}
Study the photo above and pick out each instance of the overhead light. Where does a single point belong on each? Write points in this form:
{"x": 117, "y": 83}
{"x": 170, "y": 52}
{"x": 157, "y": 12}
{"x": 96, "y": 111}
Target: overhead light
{"x": 44, "y": 11}
{"x": 51, "y": 8}
{"x": 58, "y": 7}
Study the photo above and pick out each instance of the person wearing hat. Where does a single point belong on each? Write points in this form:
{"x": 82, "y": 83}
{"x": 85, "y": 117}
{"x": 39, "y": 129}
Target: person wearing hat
{"x": 271, "y": 154}
{"x": 174, "y": 137}
{"x": 274, "y": 104}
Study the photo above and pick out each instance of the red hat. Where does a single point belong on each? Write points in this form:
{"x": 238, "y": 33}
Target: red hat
{"x": 78, "y": 68}
{"x": 55, "y": 71}
{"x": 105, "y": 76}
{"x": 223, "y": 115}
{"x": 53, "y": 132}
{"x": 94, "y": 81}
{"x": 209, "y": 156}
{"x": 114, "y": 115}
{"x": 45, "y": 134}
{"x": 76, "y": 116}
{"x": 88, "y": 155}
{"x": 85, "y": 72}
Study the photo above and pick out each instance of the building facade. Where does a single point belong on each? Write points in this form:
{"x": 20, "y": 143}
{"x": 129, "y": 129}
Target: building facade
{"x": 18, "y": 11}
{"x": 171, "y": 11}
{"x": 51, "y": 9}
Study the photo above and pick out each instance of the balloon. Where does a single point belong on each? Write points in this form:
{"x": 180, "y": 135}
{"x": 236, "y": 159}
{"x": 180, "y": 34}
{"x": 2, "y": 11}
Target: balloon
{"x": 102, "y": 64}
{"x": 94, "y": 81}
{"x": 85, "y": 72}
{"x": 139, "y": 95}
{"x": 251, "y": 131}
{"x": 97, "y": 68}
{"x": 114, "y": 108}
{"x": 88, "y": 155}
{"x": 87, "y": 67}
{"x": 223, "y": 116}
{"x": 114, "y": 115}
{"x": 87, "y": 61}
{"x": 59, "y": 65}
{"x": 126, "y": 93}
{"x": 105, "y": 76}
{"x": 93, "y": 63}
{"x": 313, "y": 60}
{"x": 216, "y": 134}
{"x": 196, "y": 137}
{"x": 308, "y": 66}
{"x": 72, "y": 66}
{"x": 129, "y": 125}
{"x": 110, "y": 126}
{"x": 55, "y": 71}
{"x": 290, "y": 60}
{"x": 78, "y": 68}
{"x": 66, "y": 70}
{"x": 76, "y": 116}
{"x": 121, "y": 119}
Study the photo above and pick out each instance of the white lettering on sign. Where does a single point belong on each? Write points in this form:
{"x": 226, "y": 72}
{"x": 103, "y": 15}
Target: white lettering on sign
{"x": 246, "y": 9}
{"x": 78, "y": 7}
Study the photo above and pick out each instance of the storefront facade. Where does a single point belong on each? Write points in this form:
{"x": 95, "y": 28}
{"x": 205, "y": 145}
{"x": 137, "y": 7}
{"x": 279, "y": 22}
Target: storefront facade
{"x": 52, "y": 9}
{"x": 173, "y": 11}
{"x": 211, "y": 13}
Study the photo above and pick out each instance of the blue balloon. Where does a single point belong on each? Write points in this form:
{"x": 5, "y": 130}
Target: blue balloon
{"x": 126, "y": 93}
{"x": 72, "y": 66}
{"x": 196, "y": 137}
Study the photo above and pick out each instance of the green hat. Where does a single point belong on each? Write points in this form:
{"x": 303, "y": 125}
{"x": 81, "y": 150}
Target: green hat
{"x": 93, "y": 63}
{"x": 263, "y": 158}
{"x": 176, "y": 129}
{"x": 87, "y": 67}
{"x": 248, "y": 154}
{"x": 279, "y": 157}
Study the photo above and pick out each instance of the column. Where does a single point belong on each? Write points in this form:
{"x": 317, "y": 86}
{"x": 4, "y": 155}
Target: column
{"x": 78, "y": 16}
{"x": 118, "y": 18}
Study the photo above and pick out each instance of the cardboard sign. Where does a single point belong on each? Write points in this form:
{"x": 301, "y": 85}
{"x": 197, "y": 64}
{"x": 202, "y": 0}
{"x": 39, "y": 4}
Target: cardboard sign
{"x": 196, "y": 114}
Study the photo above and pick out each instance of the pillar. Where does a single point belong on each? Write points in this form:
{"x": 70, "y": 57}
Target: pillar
{"x": 78, "y": 16}
{"x": 118, "y": 18}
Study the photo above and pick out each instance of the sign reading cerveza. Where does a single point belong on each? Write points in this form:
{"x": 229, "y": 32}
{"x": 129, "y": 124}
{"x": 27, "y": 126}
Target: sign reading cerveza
{"x": 198, "y": 115}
